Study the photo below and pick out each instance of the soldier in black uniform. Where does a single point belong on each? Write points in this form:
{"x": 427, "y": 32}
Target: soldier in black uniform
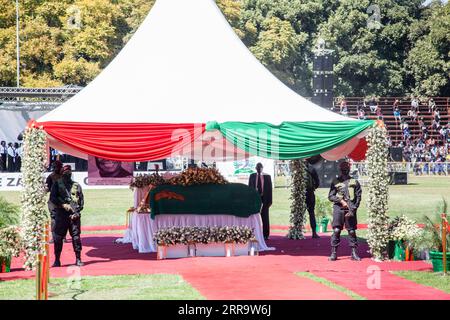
{"x": 51, "y": 180}
{"x": 68, "y": 198}
{"x": 345, "y": 193}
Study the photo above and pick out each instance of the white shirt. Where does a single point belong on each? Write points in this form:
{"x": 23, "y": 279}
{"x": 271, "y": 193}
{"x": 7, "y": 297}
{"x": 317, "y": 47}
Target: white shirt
{"x": 19, "y": 151}
{"x": 2, "y": 150}
{"x": 261, "y": 181}
{"x": 11, "y": 152}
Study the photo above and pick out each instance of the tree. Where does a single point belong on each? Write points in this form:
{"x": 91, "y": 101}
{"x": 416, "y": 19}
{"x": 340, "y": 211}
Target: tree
{"x": 371, "y": 43}
{"x": 78, "y": 72}
{"x": 280, "y": 33}
{"x": 428, "y": 62}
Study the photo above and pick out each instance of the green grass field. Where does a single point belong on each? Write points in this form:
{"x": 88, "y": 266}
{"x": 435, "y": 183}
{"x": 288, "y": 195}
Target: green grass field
{"x": 419, "y": 197}
{"x": 330, "y": 284}
{"x": 435, "y": 280}
{"x": 128, "y": 287}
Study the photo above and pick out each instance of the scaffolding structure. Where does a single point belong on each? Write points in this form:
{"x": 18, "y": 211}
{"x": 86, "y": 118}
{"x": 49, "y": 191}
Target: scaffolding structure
{"x": 35, "y": 99}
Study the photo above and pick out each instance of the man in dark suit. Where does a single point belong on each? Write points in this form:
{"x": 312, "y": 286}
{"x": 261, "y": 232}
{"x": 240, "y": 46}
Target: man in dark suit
{"x": 263, "y": 184}
{"x": 312, "y": 183}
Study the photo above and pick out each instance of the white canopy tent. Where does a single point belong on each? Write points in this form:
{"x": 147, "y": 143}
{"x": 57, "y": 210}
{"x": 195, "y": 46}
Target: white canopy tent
{"x": 185, "y": 64}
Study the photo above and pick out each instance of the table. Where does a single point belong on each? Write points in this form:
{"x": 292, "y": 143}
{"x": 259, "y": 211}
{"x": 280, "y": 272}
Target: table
{"x": 141, "y": 228}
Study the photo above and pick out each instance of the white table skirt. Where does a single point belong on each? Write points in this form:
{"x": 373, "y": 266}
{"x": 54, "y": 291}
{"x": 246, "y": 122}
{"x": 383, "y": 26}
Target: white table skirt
{"x": 142, "y": 228}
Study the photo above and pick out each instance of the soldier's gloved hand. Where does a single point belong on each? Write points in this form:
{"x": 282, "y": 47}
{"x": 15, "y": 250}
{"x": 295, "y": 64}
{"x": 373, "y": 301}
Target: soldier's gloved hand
{"x": 349, "y": 214}
{"x": 75, "y": 216}
{"x": 67, "y": 207}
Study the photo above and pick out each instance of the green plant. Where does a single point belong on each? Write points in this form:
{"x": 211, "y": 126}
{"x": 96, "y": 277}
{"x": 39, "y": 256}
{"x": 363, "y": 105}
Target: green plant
{"x": 9, "y": 213}
{"x": 431, "y": 237}
{"x": 323, "y": 208}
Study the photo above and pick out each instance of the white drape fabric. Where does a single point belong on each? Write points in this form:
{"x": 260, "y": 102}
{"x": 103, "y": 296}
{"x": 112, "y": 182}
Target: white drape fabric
{"x": 142, "y": 228}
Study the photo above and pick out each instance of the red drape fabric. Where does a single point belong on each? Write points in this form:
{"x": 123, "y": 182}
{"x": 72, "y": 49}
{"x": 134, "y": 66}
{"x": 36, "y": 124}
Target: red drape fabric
{"x": 359, "y": 153}
{"x": 124, "y": 141}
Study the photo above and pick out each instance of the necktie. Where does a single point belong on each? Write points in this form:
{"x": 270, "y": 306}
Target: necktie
{"x": 258, "y": 184}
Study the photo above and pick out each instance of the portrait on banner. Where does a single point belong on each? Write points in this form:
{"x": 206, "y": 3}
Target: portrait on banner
{"x": 109, "y": 172}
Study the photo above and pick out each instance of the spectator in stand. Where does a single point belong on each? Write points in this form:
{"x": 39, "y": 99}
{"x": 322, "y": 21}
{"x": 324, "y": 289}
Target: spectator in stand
{"x": 423, "y": 128}
{"x": 343, "y": 108}
{"x": 431, "y": 105}
{"x": 11, "y": 157}
{"x": 414, "y": 104}
{"x": 379, "y": 113}
{"x": 436, "y": 120}
{"x": 420, "y": 145}
{"x": 361, "y": 114}
{"x": 361, "y": 105}
{"x": 412, "y": 115}
{"x": 445, "y": 132}
{"x": 430, "y": 142}
{"x": 397, "y": 113}
{"x": 373, "y": 105}
{"x": 3, "y": 156}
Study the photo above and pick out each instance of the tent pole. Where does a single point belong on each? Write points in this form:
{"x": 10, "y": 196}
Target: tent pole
{"x": 444, "y": 242}
{"x": 43, "y": 269}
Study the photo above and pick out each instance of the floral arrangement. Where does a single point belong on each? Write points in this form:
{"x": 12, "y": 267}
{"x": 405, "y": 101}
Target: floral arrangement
{"x": 298, "y": 197}
{"x": 35, "y": 217}
{"x": 188, "y": 177}
{"x": 377, "y": 193}
{"x": 10, "y": 242}
{"x": 189, "y": 235}
{"x": 323, "y": 207}
{"x": 194, "y": 176}
{"x": 145, "y": 180}
{"x": 403, "y": 229}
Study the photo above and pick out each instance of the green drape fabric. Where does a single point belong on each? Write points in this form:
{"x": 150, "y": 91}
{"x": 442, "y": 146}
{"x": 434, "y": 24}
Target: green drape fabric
{"x": 231, "y": 199}
{"x": 289, "y": 140}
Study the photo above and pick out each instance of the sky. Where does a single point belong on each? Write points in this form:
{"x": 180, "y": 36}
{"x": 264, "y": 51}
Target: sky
{"x": 428, "y": 1}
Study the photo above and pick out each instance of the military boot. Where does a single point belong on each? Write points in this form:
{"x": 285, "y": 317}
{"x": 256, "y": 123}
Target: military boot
{"x": 78, "y": 261}
{"x": 355, "y": 256}
{"x": 57, "y": 263}
{"x": 333, "y": 256}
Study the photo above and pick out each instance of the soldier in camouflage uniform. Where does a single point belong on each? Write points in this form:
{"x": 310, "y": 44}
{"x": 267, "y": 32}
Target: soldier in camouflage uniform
{"x": 345, "y": 193}
{"x": 68, "y": 198}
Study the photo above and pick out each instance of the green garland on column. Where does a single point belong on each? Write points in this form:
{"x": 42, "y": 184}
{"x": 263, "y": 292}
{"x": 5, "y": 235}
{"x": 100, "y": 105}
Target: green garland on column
{"x": 378, "y": 192}
{"x": 34, "y": 206}
{"x": 298, "y": 197}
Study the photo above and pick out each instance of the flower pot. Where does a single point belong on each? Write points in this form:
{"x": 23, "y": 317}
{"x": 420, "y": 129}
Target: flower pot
{"x": 253, "y": 248}
{"x": 436, "y": 260}
{"x": 391, "y": 249}
{"x": 173, "y": 251}
{"x": 5, "y": 264}
{"x": 241, "y": 249}
{"x": 399, "y": 251}
{"x": 324, "y": 224}
{"x": 214, "y": 249}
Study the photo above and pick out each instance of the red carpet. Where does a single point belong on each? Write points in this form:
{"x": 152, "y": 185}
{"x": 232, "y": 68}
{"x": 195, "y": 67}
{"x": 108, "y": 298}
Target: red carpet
{"x": 268, "y": 276}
